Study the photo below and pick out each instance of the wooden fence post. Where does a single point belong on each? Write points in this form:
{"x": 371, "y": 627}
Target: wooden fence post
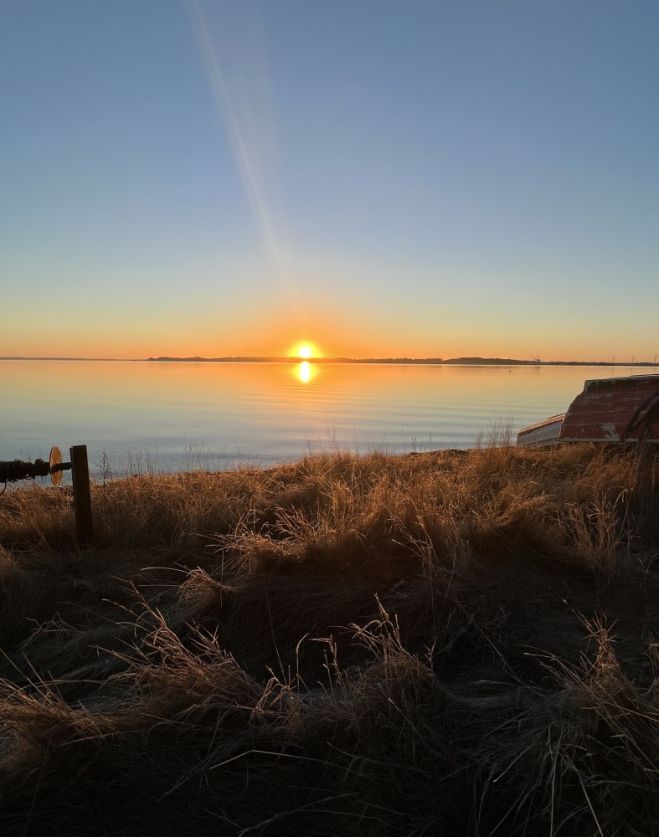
{"x": 82, "y": 498}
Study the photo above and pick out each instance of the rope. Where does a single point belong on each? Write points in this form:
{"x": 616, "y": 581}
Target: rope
{"x": 19, "y": 470}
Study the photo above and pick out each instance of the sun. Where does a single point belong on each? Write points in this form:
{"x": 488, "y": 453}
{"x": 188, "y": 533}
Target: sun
{"x": 304, "y": 350}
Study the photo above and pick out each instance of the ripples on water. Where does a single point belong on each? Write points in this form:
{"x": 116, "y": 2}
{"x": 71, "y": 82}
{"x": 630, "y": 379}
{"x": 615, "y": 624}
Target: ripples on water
{"x": 176, "y": 416}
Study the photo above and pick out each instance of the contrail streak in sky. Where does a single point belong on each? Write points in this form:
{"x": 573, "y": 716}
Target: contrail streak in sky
{"x": 239, "y": 146}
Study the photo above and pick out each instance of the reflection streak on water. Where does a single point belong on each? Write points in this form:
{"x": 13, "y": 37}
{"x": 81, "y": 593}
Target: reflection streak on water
{"x": 305, "y": 372}
{"x": 262, "y": 413}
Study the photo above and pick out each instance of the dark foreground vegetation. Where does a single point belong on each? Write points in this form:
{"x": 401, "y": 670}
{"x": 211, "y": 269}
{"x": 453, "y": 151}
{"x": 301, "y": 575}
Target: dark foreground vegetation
{"x": 451, "y": 643}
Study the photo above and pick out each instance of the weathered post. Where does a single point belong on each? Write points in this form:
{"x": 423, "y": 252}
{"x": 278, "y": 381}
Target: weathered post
{"x": 82, "y": 498}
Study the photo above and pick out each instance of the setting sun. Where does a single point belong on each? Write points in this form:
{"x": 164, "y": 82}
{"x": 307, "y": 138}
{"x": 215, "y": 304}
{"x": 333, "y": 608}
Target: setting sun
{"x": 305, "y": 350}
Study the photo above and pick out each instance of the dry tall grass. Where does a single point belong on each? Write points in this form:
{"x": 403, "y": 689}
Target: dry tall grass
{"x": 449, "y": 643}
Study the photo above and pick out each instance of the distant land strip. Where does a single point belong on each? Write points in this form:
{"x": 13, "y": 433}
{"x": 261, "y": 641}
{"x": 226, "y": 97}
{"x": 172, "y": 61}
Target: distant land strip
{"x": 409, "y": 361}
{"x": 454, "y": 361}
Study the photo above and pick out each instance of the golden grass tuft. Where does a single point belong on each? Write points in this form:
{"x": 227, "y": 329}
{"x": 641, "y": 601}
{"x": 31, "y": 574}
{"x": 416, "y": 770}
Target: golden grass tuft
{"x": 442, "y": 643}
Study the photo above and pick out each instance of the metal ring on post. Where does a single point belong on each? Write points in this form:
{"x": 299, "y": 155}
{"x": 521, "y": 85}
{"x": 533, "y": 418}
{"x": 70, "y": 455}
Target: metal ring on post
{"x": 55, "y": 461}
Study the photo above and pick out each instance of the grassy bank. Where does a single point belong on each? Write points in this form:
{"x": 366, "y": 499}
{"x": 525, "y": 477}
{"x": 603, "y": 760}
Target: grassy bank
{"x": 451, "y": 643}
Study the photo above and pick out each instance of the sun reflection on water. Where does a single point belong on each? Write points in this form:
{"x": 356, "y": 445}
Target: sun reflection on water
{"x": 305, "y": 371}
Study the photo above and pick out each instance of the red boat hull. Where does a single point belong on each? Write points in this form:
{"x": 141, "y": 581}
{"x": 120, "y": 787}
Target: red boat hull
{"x": 611, "y": 410}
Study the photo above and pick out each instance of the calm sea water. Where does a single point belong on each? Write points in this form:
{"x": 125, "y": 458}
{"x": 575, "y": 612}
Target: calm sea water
{"x": 177, "y": 416}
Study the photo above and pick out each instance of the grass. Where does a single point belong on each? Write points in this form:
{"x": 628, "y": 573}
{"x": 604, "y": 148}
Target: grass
{"x": 442, "y": 643}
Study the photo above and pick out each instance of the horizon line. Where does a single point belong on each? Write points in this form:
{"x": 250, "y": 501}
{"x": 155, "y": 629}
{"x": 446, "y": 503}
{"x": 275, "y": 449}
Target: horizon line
{"x": 465, "y": 360}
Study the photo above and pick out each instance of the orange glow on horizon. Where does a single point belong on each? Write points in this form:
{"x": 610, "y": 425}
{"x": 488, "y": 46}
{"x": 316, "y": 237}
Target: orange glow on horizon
{"x": 324, "y": 329}
{"x": 339, "y": 335}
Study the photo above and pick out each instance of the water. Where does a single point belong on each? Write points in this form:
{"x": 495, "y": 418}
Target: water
{"x": 177, "y": 416}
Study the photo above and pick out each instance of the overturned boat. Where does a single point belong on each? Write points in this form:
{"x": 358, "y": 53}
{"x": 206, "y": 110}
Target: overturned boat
{"x": 609, "y": 410}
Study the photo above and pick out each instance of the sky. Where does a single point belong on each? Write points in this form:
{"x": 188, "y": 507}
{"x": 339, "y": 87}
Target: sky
{"x": 410, "y": 178}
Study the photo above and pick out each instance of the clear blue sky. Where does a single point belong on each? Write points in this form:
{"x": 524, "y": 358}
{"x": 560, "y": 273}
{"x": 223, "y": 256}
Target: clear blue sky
{"x": 421, "y": 178}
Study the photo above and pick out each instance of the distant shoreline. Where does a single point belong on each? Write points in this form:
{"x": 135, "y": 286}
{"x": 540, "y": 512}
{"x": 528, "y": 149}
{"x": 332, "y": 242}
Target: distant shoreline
{"x": 400, "y": 361}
